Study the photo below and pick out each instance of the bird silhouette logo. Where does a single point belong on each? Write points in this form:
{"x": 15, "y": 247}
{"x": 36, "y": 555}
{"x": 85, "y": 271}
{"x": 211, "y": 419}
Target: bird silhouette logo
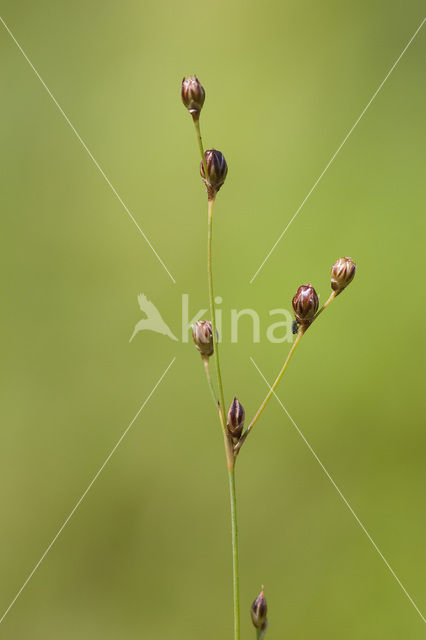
{"x": 153, "y": 320}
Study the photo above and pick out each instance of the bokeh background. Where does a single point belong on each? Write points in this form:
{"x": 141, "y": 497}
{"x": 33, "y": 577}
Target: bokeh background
{"x": 147, "y": 554}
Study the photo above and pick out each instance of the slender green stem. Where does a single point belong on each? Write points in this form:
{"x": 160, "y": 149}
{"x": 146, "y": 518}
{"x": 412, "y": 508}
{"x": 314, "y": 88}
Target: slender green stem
{"x": 226, "y": 438}
{"x": 205, "y": 360}
{"x": 213, "y": 311}
{"x": 331, "y": 297}
{"x": 200, "y": 144}
{"x": 240, "y": 443}
{"x": 235, "y": 561}
{"x": 230, "y": 459}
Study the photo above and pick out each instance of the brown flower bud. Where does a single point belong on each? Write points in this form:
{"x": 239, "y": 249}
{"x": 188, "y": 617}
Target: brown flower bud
{"x": 342, "y": 274}
{"x": 305, "y": 304}
{"x": 235, "y": 423}
{"x": 202, "y": 334}
{"x": 193, "y": 95}
{"x": 216, "y": 170}
{"x": 259, "y": 611}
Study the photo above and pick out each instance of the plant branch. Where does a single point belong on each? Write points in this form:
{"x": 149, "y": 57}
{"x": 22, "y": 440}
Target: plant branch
{"x": 300, "y": 334}
{"x": 230, "y": 458}
{"x": 229, "y": 450}
{"x": 227, "y": 440}
{"x": 205, "y": 360}
{"x": 243, "y": 438}
{"x": 330, "y": 299}
{"x": 200, "y": 143}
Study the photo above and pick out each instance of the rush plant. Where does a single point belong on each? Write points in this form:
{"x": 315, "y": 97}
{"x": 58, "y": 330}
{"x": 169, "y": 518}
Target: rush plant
{"x": 213, "y": 170}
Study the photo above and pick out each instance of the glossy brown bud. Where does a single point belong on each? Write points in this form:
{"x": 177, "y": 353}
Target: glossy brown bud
{"x": 305, "y": 304}
{"x": 259, "y": 611}
{"x": 342, "y": 274}
{"x": 235, "y": 423}
{"x": 193, "y": 95}
{"x": 202, "y": 334}
{"x": 216, "y": 170}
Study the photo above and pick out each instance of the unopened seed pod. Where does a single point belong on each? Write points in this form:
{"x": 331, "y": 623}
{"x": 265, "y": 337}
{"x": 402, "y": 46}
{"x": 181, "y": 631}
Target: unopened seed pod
{"x": 305, "y": 304}
{"x": 193, "y": 95}
{"x": 202, "y": 334}
{"x": 216, "y": 171}
{"x": 342, "y": 274}
{"x": 259, "y": 610}
{"x": 235, "y": 422}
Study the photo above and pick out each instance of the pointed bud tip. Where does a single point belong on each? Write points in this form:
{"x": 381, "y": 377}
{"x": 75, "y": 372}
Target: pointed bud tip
{"x": 236, "y": 417}
{"x": 259, "y": 610}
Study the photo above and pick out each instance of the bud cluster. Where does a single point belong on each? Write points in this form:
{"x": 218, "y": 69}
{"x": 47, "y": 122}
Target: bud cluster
{"x": 213, "y": 170}
{"x": 214, "y": 164}
{"x": 235, "y": 422}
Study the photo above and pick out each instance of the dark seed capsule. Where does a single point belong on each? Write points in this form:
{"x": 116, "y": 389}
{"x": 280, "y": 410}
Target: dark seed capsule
{"x": 217, "y": 170}
{"x": 193, "y": 95}
{"x": 236, "y": 416}
{"x": 202, "y": 334}
{"x": 259, "y": 610}
{"x": 305, "y": 304}
{"x": 342, "y": 274}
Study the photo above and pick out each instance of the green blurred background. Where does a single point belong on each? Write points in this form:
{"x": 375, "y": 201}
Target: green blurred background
{"x": 147, "y": 554}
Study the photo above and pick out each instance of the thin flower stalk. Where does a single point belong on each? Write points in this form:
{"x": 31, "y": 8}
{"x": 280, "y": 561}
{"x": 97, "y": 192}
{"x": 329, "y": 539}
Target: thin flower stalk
{"x": 235, "y": 554}
{"x": 301, "y": 332}
{"x": 193, "y": 96}
{"x": 259, "y": 412}
{"x": 200, "y": 143}
{"x": 206, "y": 363}
{"x": 213, "y": 313}
{"x": 230, "y": 458}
